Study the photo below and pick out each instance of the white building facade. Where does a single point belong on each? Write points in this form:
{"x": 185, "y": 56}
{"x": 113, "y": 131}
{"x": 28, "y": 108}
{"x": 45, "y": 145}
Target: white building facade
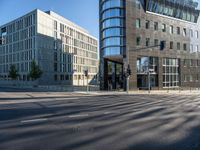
{"x": 62, "y": 49}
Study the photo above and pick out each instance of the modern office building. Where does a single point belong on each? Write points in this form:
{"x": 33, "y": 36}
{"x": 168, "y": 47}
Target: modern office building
{"x": 129, "y": 30}
{"x": 61, "y": 48}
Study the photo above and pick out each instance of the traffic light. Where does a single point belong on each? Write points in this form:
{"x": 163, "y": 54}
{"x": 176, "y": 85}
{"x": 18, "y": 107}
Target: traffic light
{"x": 86, "y": 73}
{"x": 162, "y": 45}
{"x": 129, "y": 70}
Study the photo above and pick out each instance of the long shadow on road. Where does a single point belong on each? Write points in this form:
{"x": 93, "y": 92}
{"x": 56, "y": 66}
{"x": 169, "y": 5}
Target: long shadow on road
{"x": 148, "y": 122}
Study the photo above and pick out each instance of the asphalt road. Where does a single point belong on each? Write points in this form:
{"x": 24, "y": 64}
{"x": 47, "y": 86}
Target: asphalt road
{"x": 31, "y": 121}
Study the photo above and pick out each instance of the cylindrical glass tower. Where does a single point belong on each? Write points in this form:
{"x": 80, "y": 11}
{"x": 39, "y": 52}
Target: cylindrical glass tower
{"x": 112, "y": 43}
{"x": 112, "y": 27}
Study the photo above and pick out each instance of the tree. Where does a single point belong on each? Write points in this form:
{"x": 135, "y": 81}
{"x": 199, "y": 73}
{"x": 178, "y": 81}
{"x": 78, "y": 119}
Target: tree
{"x": 35, "y": 72}
{"x": 13, "y": 73}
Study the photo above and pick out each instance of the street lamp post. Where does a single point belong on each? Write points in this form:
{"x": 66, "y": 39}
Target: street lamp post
{"x": 127, "y": 74}
{"x": 127, "y": 85}
{"x": 149, "y": 79}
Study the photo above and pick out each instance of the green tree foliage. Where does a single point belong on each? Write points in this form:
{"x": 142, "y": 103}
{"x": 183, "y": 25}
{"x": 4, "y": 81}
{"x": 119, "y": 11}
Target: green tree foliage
{"x": 35, "y": 72}
{"x": 13, "y": 73}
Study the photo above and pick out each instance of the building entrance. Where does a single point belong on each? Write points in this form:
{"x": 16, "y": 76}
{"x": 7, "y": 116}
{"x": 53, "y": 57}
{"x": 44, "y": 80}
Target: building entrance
{"x": 114, "y": 75}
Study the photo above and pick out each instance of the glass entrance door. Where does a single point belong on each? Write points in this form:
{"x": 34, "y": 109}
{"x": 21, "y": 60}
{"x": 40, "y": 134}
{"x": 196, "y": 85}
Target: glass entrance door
{"x": 114, "y": 76}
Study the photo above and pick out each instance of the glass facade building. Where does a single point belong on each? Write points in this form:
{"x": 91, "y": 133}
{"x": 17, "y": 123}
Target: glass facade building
{"x": 112, "y": 41}
{"x": 130, "y": 35}
{"x": 112, "y": 22}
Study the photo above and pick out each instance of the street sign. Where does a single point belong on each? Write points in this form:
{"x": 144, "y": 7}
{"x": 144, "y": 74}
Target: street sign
{"x": 151, "y": 70}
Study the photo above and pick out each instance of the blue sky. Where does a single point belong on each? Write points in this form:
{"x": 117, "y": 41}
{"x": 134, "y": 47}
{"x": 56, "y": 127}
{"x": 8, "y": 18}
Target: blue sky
{"x": 82, "y": 12}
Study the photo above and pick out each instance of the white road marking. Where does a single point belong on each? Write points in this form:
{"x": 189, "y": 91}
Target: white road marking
{"x": 111, "y": 112}
{"x": 76, "y": 116}
{"x": 106, "y": 113}
{"x": 34, "y": 120}
{"x": 36, "y": 100}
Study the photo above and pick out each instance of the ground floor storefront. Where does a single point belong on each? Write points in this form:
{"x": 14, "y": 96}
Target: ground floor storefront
{"x": 152, "y": 72}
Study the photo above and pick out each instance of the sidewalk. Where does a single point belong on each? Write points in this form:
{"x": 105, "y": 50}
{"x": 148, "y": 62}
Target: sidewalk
{"x": 142, "y": 92}
{"x": 56, "y": 91}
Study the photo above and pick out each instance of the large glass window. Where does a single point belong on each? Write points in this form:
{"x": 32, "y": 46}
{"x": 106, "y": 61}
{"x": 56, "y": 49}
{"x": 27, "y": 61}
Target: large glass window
{"x": 174, "y": 10}
{"x": 112, "y": 3}
{"x": 113, "y": 22}
{"x": 113, "y": 32}
{"x": 170, "y": 73}
{"x": 112, "y": 27}
{"x": 145, "y": 63}
{"x": 113, "y": 13}
{"x": 114, "y": 41}
{"x": 109, "y": 51}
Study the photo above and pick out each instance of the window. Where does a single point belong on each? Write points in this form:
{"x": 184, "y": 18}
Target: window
{"x": 163, "y": 27}
{"x": 138, "y": 24}
{"x": 178, "y": 46}
{"x": 170, "y": 72}
{"x": 116, "y": 12}
{"x": 55, "y": 34}
{"x": 138, "y": 41}
{"x": 170, "y": 10}
{"x": 185, "y": 78}
{"x": 192, "y": 62}
{"x": 156, "y": 42}
{"x": 55, "y": 67}
{"x": 191, "y": 48}
{"x": 62, "y": 27}
{"x": 185, "y": 62}
{"x": 191, "y": 33}
{"x": 184, "y": 32}
{"x": 155, "y": 25}
{"x": 55, "y": 25}
{"x": 171, "y": 45}
{"x": 147, "y": 24}
{"x": 197, "y": 34}
{"x": 137, "y": 4}
{"x": 147, "y": 41}
{"x": 178, "y": 31}
{"x": 185, "y": 47}
{"x": 196, "y": 48}
{"x": 55, "y": 77}
{"x": 171, "y": 30}
{"x": 191, "y": 78}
